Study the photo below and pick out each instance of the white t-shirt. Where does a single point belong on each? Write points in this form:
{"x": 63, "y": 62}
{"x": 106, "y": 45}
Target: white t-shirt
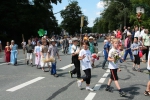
{"x": 74, "y": 49}
{"x": 112, "y": 65}
{"x": 142, "y": 33}
{"x": 70, "y": 41}
{"x": 137, "y": 34}
{"x": 148, "y": 66}
{"x": 85, "y": 63}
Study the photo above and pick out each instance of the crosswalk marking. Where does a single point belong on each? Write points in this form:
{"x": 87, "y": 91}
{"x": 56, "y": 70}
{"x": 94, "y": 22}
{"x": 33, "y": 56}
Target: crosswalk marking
{"x": 101, "y": 80}
{"x": 65, "y": 67}
{"x": 7, "y": 63}
{"x": 90, "y": 96}
{"x": 108, "y": 71}
{"x": 97, "y": 87}
{"x": 24, "y": 84}
{"x": 106, "y": 75}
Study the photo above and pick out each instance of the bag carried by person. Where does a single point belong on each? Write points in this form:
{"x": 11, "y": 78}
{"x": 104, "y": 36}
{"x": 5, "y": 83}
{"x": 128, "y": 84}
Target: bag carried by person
{"x": 140, "y": 54}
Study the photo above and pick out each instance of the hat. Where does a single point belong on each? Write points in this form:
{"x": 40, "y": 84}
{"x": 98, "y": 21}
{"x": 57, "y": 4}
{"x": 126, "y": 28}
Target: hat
{"x": 91, "y": 37}
{"x": 128, "y": 34}
{"x": 105, "y": 41}
{"x": 12, "y": 41}
{"x": 74, "y": 39}
{"x": 52, "y": 40}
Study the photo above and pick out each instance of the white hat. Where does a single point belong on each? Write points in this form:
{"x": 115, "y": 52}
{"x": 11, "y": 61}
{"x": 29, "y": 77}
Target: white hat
{"x": 74, "y": 39}
{"x": 12, "y": 41}
{"x": 91, "y": 37}
{"x": 128, "y": 34}
{"x": 53, "y": 40}
{"x": 105, "y": 41}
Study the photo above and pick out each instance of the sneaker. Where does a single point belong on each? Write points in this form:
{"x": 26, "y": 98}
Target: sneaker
{"x": 134, "y": 69}
{"x": 122, "y": 93}
{"x": 146, "y": 93}
{"x": 79, "y": 84}
{"x": 107, "y": 88}
{"x": 70, "y": 72}
{"x": 89, "y": 89}
{"x": 139, "y": 70}
{"x": 55, "y": 75}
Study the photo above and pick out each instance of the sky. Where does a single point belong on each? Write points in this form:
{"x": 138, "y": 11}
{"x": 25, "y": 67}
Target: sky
{"x": 90, "y": 8}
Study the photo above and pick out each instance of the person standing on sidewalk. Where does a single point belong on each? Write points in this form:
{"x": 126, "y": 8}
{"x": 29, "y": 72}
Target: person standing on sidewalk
{"x": 75, "y": 52}
{"x": 30, "y": 49}
{"x": 85, "y": 60}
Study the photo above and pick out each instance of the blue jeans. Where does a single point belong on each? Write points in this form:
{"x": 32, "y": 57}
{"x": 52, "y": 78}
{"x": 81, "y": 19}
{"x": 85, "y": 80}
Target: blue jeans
{"x": 53, "y": 69}
{"x": 126, "y": 53}
{"x": 105, "y": 58}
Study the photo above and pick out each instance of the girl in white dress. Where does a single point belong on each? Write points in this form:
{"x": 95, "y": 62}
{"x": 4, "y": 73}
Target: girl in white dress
{"x": 37, "y": 54}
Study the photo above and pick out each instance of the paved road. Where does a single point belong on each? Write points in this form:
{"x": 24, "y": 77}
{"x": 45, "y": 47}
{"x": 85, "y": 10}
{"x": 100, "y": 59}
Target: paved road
{"x": 23, "y": 82}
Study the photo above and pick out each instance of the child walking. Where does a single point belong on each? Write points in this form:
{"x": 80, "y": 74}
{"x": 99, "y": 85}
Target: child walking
{"x": 53, "y": 52}
{"x": 113, "y": 66}
{"x": 85, "y": 57}
{"x": 37, "y": 54}
{"x": 7, "y": 53}
{"x": 135, "y": 50}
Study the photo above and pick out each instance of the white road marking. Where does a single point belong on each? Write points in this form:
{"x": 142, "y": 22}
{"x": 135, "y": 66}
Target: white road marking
{"x": 105, "y": 75}
{"x": 101, "y": 80}
{"x": 90, "y": 96}
{"x": 24, "y": 84}
{"x": 65, "y": 67}
{"x": 108, "y": 71}
{"x": 97, "y": 87}
{"x": 7, "y": 63}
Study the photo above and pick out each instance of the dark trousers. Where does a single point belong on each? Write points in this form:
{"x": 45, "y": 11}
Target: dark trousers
{"x": 53, "y": 69}
{"x": 136, "y": 59}
{"x": 65, "y": 50}
{"x": 146, "y": 52}
{"x": 88, "y": 76}
{"x": 76, "y": 63}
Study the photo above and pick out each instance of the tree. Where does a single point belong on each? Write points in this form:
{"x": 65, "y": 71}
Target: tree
{"x": 72, "y": 17}
{"x": 24, "y": 17}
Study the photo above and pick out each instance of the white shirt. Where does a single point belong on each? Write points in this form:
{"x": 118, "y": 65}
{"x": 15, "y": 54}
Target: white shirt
{"x": 112, "y": 65}
{"x": 142, "y": 33}
{"x": 24, "y": 44}
{"x": 85, "y": 63}
{"x": 74, "y": 49}
{"x": 137, "y": 34}
{"x": 70, "y": 41}
{"x": 148, "y": 66}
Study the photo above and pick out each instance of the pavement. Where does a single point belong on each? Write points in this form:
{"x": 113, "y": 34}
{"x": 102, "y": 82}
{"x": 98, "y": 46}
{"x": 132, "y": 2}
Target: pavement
{"x": 23, "y": 82}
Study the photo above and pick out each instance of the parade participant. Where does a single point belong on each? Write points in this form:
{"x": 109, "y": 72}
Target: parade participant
{"x": 23, "y": 46}
{"x": 14, "y": 52}
{"x": 147, "y": 91}
{"x": 7, "y": 53}
{"x": 61, "y": 43}
{"x": 70, "y": 45}
{"x": 146, "y": 43}
{"x": 53, "y": 52}
{"x": 65, "y": 45}
{"x": 30, "y": 49}
{"x": 37, "y": 54}
{"x": 135, "y": 50}
{"x": 0, "y": 46}
{"x": 106, "y": 50}
{"x": 85, "y": 58}
{"x": 43, "y": 53}
{"x": 142, "y": 31}
{"x": 113, "y": 66}
{"x": 127, "y": 46}
{"x": 75, "y": 52}
{"x": 91, "y": 47}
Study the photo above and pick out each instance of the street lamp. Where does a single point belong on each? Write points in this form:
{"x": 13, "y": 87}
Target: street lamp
{"x": 123, "y": 10}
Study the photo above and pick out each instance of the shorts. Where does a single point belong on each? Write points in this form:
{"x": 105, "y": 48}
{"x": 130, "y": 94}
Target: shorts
{"x": 29, "y": 56}
{"x": 114, "y": 75}
{"x": 136, "y": 59}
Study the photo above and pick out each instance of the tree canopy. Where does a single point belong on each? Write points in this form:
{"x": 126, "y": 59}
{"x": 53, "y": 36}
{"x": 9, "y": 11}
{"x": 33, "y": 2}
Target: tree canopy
{"x": 119, "y": 13}
{"x": 72, "y": 18}
{"x": 23, "y": 17}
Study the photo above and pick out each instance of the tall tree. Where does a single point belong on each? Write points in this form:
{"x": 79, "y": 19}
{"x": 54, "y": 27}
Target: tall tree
{"x": 72, "y": 17}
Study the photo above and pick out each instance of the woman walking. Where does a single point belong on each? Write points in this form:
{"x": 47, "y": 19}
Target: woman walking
{"x": 7, "y": 53}
{"x": 14, "y": 52}
{"x": 37, "y": 54}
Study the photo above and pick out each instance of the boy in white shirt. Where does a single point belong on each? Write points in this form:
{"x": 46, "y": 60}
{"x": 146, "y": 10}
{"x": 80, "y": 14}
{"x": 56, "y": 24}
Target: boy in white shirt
{"x": 85, "y": 58}
{"x": 113, "y": 66}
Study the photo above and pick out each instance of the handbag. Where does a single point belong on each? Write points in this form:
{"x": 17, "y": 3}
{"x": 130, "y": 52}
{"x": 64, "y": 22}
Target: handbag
{"x": 140, "y": 54}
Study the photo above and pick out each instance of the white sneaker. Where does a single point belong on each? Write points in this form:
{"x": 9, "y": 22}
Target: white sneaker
{"x": 79, "y": 84}
{"x": 89, "y": 89}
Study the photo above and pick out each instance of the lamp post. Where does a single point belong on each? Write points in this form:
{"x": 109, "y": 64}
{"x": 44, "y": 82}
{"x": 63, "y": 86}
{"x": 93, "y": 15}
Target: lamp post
{"x": 123, "y": 10}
